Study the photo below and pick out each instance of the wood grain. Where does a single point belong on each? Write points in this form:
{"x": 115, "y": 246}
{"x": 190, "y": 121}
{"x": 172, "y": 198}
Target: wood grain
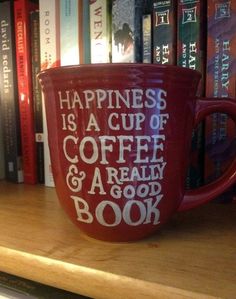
{"x": 191, "y": 257}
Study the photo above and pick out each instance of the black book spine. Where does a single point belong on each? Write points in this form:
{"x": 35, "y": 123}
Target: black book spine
{"x": 164, "y": 32}
{"x": 37, "y": 95}
{"x": 9, "y": 95}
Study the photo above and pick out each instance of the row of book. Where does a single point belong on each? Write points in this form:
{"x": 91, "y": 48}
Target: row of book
{"x": 37, "y": 35}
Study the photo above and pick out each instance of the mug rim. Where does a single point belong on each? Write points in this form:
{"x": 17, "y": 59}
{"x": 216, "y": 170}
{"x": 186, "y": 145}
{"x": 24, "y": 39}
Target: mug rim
{"x": 172, "y": 68}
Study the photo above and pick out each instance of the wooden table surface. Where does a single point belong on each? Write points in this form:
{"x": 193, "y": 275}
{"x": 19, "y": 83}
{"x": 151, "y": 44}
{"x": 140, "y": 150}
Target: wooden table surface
{"x": 193, "y": 256}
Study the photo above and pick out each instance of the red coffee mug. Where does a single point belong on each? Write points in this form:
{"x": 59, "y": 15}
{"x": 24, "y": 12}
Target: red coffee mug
{"x": 119, "y": 138}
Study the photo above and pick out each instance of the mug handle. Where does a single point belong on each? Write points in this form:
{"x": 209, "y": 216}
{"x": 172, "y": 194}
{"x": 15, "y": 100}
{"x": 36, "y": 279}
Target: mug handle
{"x": 203, "y": 194}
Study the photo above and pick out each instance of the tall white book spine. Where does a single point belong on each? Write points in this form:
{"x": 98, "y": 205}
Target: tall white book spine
{"x": 50, "y": 57}
{"x": 100, "y": 31}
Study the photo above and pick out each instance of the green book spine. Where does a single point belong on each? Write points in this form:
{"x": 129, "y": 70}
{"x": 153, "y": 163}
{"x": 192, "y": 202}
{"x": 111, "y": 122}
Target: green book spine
{"x": 191, "y": 43}
{"x": 191, "y": 50}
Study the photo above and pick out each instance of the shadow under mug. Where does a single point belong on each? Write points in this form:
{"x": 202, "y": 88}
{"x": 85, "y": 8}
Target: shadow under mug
{"x": 119, "y": 138}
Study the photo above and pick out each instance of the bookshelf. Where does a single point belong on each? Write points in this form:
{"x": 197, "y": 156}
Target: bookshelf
{"x": 191, "y": 257}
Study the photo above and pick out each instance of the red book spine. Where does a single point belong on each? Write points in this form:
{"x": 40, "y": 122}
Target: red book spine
{"x": 23, "y": 61}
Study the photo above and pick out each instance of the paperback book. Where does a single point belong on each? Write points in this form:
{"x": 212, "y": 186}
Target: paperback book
{"x": 191, "y": 42}
{"x": 126, "y": 31}
{"x": 85, "y": 33}
{"x": 69, "y": 32}
{"x": 191, "y": 53}
{"x": 50, "y": 57}
{"x": 37, "y": 95}
{"x": 100, "y": 31}
{"x": 2, "y": 158}
{"x": 164, "y": 32}
{"x": 74, "y": 32}
{"x": 9, "y": 113}
{"x": 147, "y": 31}
{"x": 147, "y": 38}
{"x": 22, "y": 9}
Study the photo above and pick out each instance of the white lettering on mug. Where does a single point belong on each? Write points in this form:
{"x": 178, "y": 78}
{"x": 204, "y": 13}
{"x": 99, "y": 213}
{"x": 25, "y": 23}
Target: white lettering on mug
{"x": 74, "y": 178}
{"x": 135, "y": 98}
{"x": 125, "y": 121}
{"x": 120, "y": 146}
{"x": 125, "y": 167}
{"x": 82, "y": 209}
{"x": 97, "y": 183}
{"x": 148, "y": 212}
{"x": 141, "y": 191}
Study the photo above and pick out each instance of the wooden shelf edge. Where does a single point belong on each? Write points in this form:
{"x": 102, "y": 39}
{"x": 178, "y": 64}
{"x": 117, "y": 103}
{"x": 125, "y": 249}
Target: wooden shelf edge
{"x": 85, "y": 281}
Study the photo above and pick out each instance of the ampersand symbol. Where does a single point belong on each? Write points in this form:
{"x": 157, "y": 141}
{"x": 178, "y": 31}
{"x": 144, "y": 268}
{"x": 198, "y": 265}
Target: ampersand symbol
{"x": 74, "y": 178}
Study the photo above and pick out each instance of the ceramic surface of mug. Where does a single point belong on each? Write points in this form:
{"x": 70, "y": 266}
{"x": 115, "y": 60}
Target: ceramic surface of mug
{"x": 119, "y": 138}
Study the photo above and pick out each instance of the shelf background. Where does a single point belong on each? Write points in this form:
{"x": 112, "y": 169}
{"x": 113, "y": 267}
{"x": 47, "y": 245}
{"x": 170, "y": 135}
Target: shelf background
{"x": 193, "y": 255}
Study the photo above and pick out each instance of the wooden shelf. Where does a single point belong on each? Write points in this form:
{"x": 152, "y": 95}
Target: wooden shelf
{"x": 191, "y": 257}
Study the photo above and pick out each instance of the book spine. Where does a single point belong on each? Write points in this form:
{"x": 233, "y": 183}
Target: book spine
{"x": 2, "y": 156}
{"x": 69, "y": 32}
{"x": 191, "y": 49}
{"x": 164, "y": 32}
{"x": 191, "y": 43}
{"x": 50, "y": 57}
{"x": 49, "y": 33}
{"x": 37, "y": 97}
{"x": 85, "y": 57}
{"x": 127, "y": 31}
{"x": 147, "y": 38}
{"x": 24, "y": 75}
{"x": 9, "y": 95}
{"x": 100, "y": 31}
{"x": 220, "y": 140}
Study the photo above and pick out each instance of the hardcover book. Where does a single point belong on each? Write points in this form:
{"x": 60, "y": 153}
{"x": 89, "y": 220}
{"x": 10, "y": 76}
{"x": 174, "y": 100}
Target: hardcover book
{"x": 220, "y": 132}
{"x": 164, "y": 32}
{"x": 10, "y": 119}
{"x": 37, "y": 95}
{"x": 191, "y": 53}
{"x": 100, "y": 31}
{"x": 50, "y": 57}
{"x": 126, "y": 31}
{"x": 22, "y": 8}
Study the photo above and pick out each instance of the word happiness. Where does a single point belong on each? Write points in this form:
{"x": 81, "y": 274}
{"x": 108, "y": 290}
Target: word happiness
{"x": 123, "y": 162}
{"x": 109, "y": 98}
